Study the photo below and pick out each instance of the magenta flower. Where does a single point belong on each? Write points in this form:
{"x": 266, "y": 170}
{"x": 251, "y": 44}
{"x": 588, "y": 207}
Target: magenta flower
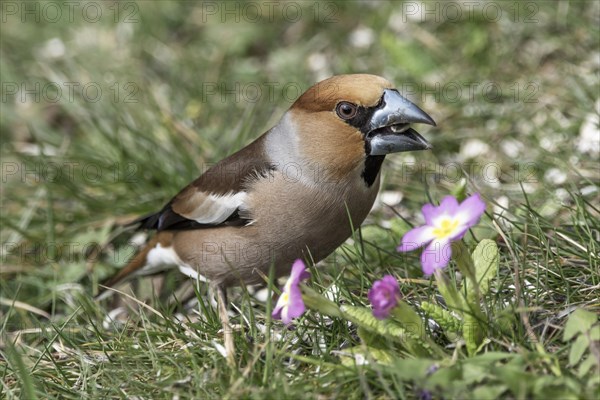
{"x": 443, "y": 224}
{"x": 290, "y": 304}
{"x": 384, "y": 295}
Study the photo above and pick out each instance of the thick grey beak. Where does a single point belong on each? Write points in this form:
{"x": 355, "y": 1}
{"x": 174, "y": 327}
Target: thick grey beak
{"x": 390, "y": 126}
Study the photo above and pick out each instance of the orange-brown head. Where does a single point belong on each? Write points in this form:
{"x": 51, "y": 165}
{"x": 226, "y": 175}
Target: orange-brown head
{"x": 349, "y": 120}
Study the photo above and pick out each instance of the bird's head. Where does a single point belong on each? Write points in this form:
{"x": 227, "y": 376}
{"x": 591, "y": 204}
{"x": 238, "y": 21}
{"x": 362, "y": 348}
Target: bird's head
{"x": 347, "y": 119}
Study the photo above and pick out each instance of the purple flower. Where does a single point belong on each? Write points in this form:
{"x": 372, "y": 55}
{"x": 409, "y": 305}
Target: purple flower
{"x": 384, "y": 295}
{"x": 443, "y": 224}
{"x": 290, "y": 304}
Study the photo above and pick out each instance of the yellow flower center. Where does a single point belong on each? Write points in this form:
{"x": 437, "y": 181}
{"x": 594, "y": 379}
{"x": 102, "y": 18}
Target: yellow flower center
{"x": 445, "y": 228}
{"x": 285, "y": 298}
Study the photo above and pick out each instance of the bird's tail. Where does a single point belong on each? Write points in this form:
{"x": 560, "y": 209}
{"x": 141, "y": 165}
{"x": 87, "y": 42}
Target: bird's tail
{"x": 135, "y": 265}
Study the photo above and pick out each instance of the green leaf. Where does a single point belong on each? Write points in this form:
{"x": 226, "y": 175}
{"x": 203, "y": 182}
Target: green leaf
{"x": 577, "y": 349}
{"x": 473, "y": 333}
{"x": 412, "y": 368}
{"x": 444, "y": 318}
{"x": 491, "y": 357}
{"x": 585, "y": 366}
{"x": 474, "y": 373}
{"x": 463, "y": 259}
{"x": 372, "y": 339}
{"x": 594, "y": 383}
{"x": 360, "y": 354}
{"x": 363, "y": 317}
{"x": 580, "y": 321}
{"x": 487, "y": 391}
{"x": 485, "y": 261}
{"x": 412, "y": 322}
{"x": 515, "y": 378}
{"x": 555, "y": 387}
{"x": 445, "y": 377}
{"x": 504, "y": 321}
{"x": 449, "y": 292}
{"x": 595, "y": 333}
{"x": 318, "y": 302}
{"x": 480, "y": 269}
{"x": 409, "y": 319}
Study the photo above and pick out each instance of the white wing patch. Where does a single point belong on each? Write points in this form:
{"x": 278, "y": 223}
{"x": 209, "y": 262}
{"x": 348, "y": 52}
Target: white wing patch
{"x": 214, "y": 208}
{"x": 159, "y": 259}
{"x": 162, "y": 258}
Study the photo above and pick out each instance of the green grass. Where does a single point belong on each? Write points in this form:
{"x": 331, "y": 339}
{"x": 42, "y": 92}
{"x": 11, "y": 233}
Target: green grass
{"x": 74, "y": 169}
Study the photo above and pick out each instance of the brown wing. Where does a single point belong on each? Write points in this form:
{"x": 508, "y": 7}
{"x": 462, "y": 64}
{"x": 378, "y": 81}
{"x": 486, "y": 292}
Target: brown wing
{"x": 216, "y": 197}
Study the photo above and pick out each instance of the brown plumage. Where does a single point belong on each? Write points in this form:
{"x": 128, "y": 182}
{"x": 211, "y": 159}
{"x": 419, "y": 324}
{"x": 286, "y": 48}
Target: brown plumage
{"x": 298, "y": 191}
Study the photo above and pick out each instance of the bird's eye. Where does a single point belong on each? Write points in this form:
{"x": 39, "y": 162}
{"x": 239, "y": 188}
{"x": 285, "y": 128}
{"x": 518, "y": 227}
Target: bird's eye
{"x": 346, "y": 110}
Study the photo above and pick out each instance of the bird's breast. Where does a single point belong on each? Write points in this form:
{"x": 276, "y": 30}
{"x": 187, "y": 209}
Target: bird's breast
{"x": 314, "y": 215}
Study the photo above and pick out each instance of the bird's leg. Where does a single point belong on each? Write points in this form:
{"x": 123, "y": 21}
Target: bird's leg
{"x": 221, "y": 293}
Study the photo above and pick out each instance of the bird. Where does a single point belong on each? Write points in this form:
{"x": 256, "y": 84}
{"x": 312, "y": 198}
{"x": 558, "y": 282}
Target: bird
{"x": 297, "y": 191}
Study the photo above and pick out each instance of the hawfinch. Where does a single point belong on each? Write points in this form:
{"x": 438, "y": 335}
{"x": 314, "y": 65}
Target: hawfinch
{"x": 297, "y": 191}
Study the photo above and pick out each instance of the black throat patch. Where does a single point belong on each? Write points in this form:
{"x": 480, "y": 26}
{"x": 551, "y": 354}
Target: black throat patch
{"x": 372, "y": 168}
{"x": 362, "y": 122}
